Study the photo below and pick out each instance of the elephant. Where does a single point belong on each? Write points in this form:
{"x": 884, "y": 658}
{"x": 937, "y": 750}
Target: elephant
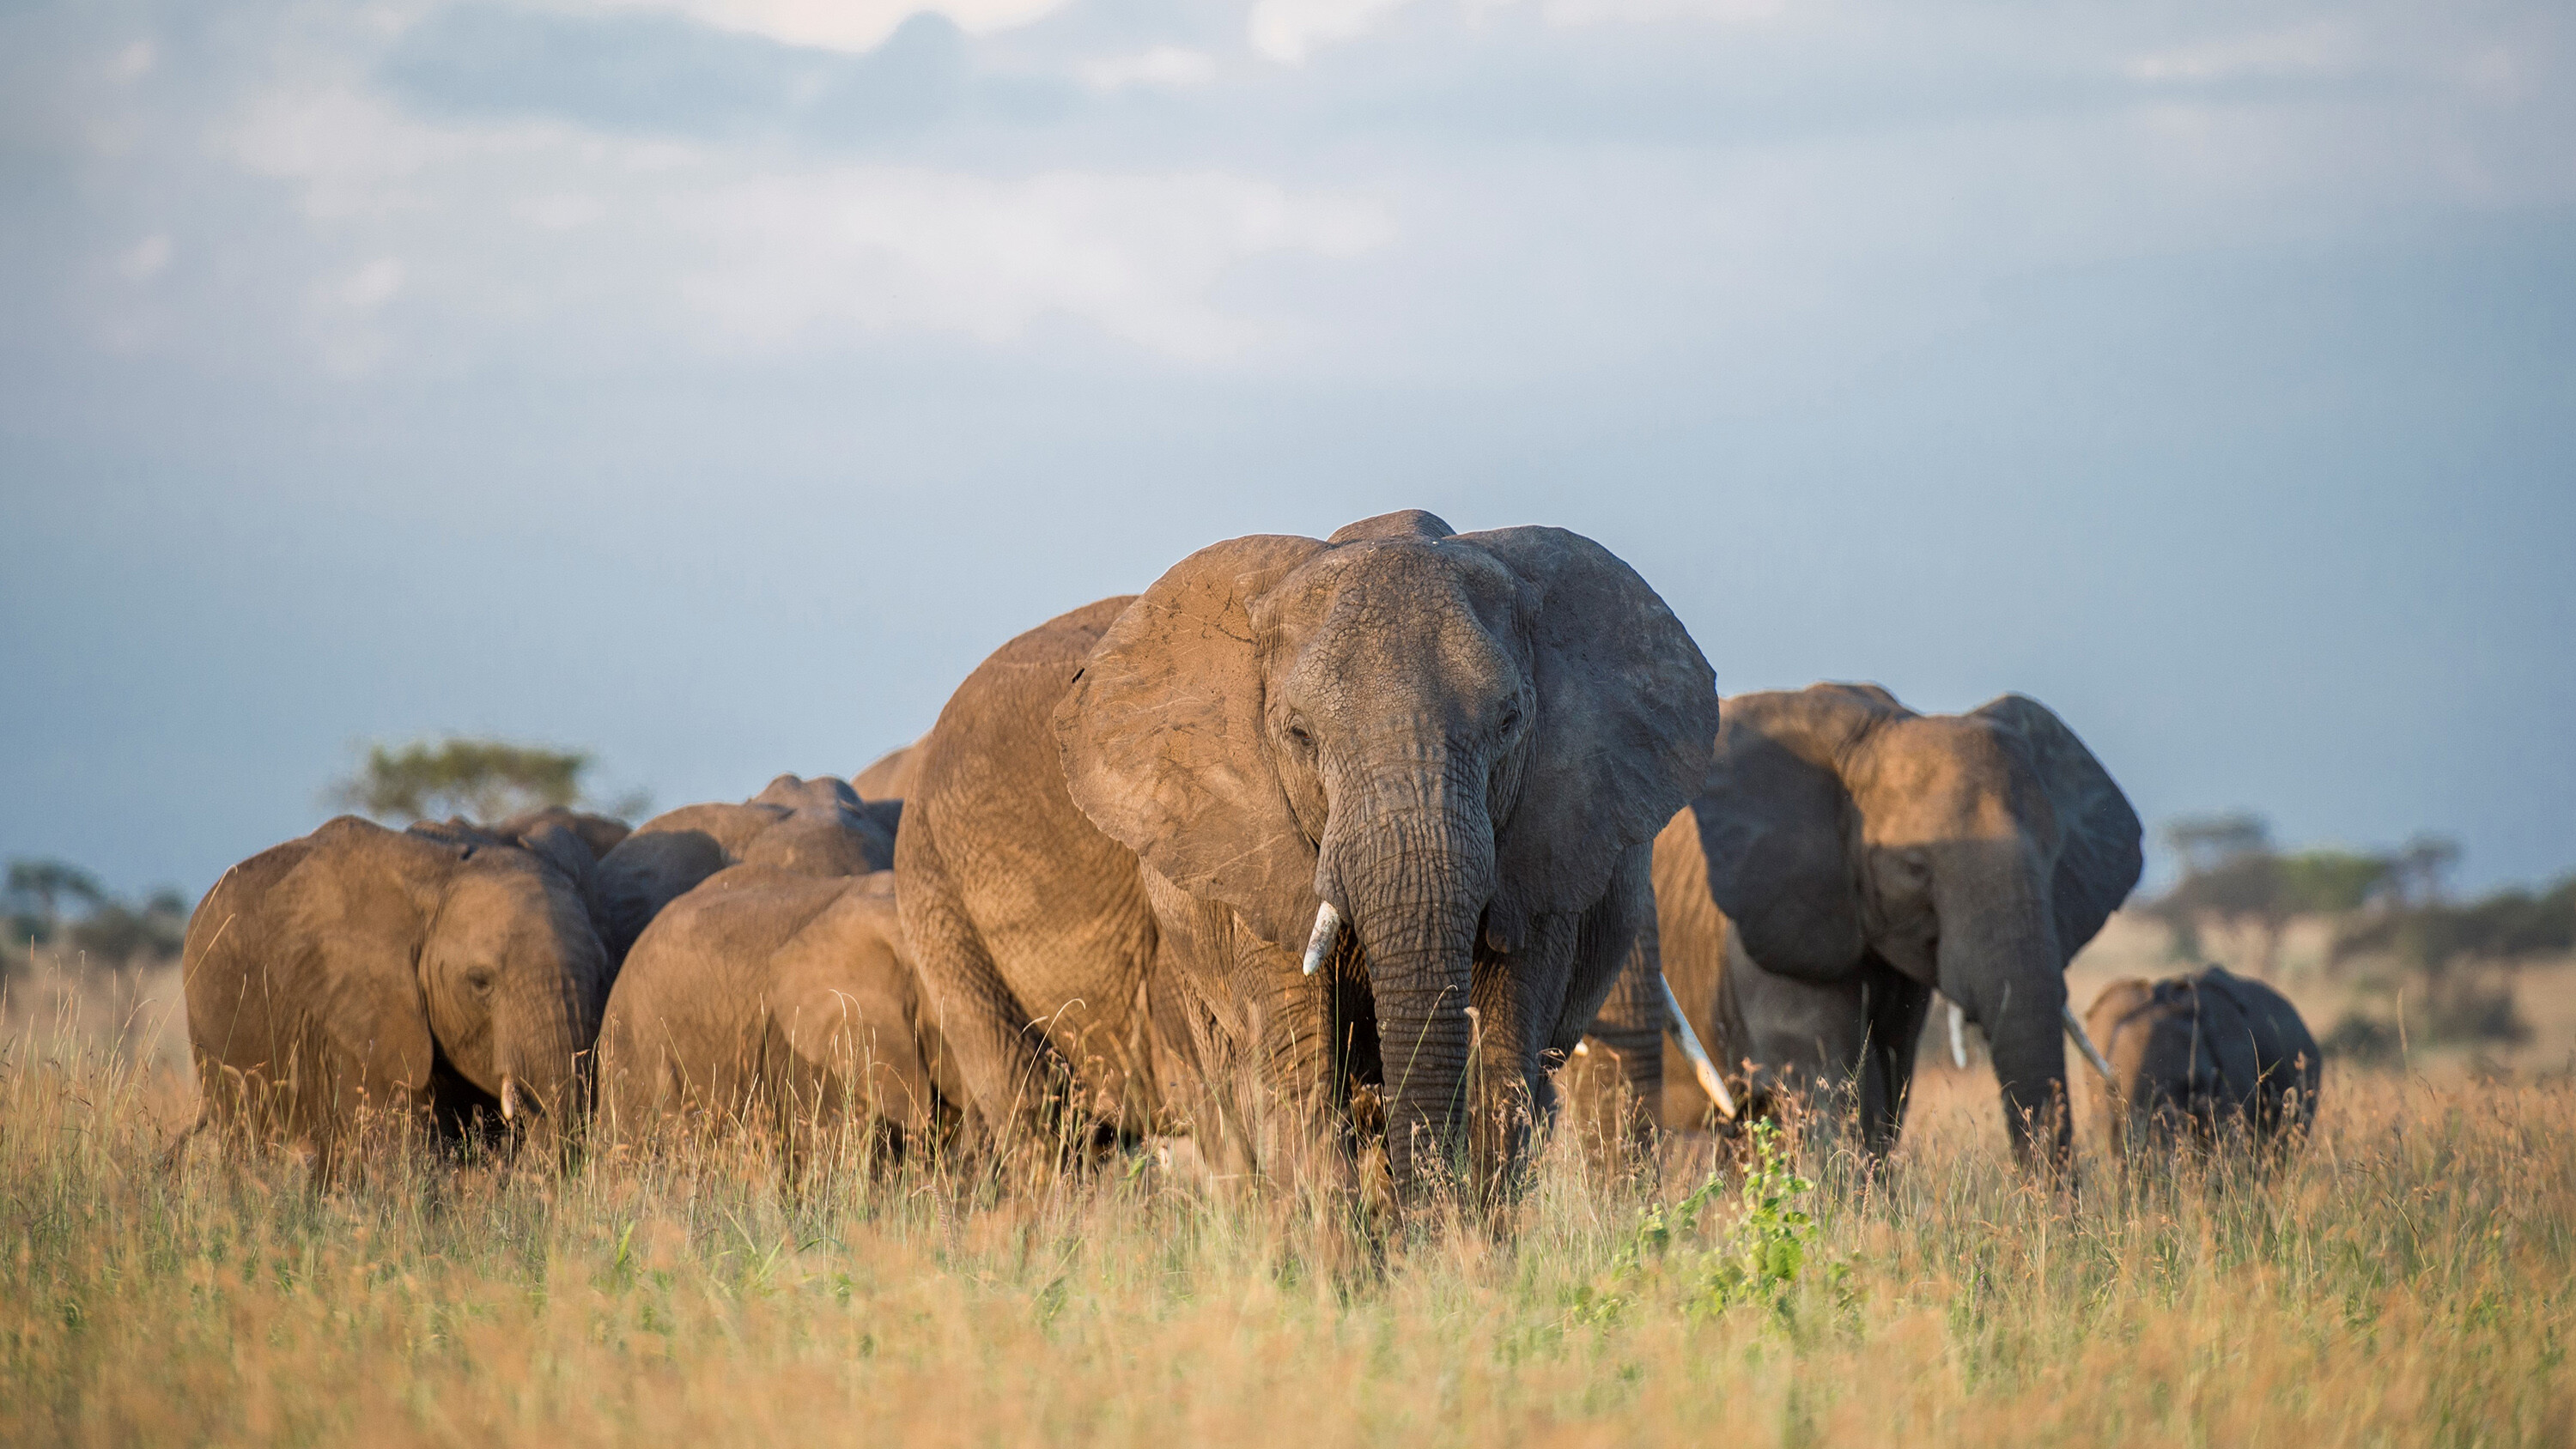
{"x": 890, "y": 777}
{"x": 2204, "y": 1059}
{"x": 771, "y": 996}
{"x": 1372, "y": 810}
{"x": 438, "y": 973}
{"x": 818, "y": 827}
{"x": 598, "y": 834}
{"x": 1846, "y": 857}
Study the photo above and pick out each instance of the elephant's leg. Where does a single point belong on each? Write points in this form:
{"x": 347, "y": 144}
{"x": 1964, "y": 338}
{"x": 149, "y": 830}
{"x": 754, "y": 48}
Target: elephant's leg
{"x": 1630, "y": 1025}
{"x": 1301, "y": 1085}
{"x": 1004, "y": 1064}
{"x": 1897, "y": 1005}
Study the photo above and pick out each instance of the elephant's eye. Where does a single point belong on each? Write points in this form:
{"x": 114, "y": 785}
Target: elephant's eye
{"x": 1512, "y": 720}
{"x": 480, "y": 978}
{"x": 1298, "y": 733}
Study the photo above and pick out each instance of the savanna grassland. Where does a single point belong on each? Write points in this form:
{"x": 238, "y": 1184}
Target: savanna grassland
{"x": 2410, "y": 1280}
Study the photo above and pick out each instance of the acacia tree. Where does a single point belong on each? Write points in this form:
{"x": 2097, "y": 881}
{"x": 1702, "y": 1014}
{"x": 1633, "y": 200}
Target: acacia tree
{"x": 479, "y": 779}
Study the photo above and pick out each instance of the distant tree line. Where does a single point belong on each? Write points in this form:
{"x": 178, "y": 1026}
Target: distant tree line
{"x": 61, "y": 907}
{"x": 58, "y": 908}
{"x": 2448, "y": 965}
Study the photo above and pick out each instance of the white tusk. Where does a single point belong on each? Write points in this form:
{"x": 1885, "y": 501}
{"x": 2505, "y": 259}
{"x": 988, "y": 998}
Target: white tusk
{"x": 1328, "y": 928}
{"x": 509, "y": 1099}
{"x": 2084, "y": 1043}
{"x": 1701, "y": 1067}
{"x": 1958, "y": 1042}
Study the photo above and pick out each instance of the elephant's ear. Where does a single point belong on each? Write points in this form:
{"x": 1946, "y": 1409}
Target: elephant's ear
{"x": 2101, "y": 854}
{"x": 1163, "y": 741}
{"x": 1774, "y": 821}
{"x": 1626, "y": 709}
{"x": 561, "y": 847}
{"x": 364, "y": 898}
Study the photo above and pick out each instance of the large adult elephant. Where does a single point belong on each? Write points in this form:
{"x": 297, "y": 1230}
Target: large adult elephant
{"x": 818, "y": 827}
{"x": 1430, "y": 762}
{"x": 1847, "y": 856}
{"x": 434, "y": 972}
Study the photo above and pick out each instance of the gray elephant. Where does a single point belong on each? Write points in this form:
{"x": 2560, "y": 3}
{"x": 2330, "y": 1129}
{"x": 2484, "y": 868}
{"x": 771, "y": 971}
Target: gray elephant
{"x": 1847, "y": 856}
{"x": 439, "y": 973}
{"x": 768, "y": 996}
{"x": 2202, "y": 1060}
{"x": 597, "y": 834}
{"x": 1373, "y": 809}
{"x": 818, "y": 827}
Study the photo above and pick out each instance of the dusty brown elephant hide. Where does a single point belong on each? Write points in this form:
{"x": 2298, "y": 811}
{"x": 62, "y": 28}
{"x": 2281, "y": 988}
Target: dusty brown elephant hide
{"x": 407, "y": 972}
{"x": 818, "y": 827}
{"x": 1128, "y": 823}
{"x": 772, "y": 997}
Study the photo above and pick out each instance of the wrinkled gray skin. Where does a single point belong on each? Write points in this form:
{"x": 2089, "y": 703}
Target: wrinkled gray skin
{"x": 765, "y": 995}
{"x": 1124, "y": 821}
{"x": 1846, "y": 857}
{"x": 818, "y": 827}
{"x": 2203, "y": 1059}
{"x": 409, "y": 972}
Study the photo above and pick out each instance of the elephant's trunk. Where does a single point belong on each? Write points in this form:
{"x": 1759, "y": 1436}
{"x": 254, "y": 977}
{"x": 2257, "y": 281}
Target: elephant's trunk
{"x": 542, "y": 1055}
{"x": 1411, "y": 859}
{"x": 1999, "y": 959}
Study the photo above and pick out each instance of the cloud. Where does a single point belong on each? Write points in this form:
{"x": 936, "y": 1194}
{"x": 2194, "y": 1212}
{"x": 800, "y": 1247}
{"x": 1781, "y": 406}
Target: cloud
{"x": 1288, "y": 31}
{"x": 1163, "y": 65}
{"x": 145, "y": 259}
{"x": 2317, "y": 48}
{"x": 799, "y": 257}
{"x": 853, "y": 26}
{"x": 749, "y": 251}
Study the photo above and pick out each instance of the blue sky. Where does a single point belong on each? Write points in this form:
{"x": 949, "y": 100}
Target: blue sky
{"x": 710, "y": 383}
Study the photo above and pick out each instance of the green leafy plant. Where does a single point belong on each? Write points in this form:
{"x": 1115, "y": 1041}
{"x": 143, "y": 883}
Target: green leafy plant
{"x": 1759, "y": 1258}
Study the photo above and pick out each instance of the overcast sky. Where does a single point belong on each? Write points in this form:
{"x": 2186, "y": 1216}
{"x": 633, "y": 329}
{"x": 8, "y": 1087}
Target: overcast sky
{"x": 711, "y": 383}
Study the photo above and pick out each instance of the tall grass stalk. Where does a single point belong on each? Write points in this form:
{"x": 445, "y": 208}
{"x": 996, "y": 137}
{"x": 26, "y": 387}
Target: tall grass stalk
{"x": 2405, "y": 1281}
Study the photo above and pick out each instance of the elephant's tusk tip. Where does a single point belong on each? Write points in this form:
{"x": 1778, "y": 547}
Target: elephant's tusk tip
{"x": 1319, "y": 944}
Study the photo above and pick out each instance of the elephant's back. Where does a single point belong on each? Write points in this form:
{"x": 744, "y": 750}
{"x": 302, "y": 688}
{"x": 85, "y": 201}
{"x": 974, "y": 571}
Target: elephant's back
{"x": 990, "y": 786}
{"x": 891, "y": 775}
{"x": 687, "y": 1011}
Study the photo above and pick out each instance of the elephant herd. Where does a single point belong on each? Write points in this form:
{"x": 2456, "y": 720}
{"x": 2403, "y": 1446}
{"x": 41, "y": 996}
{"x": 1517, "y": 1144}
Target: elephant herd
{"x": 1313, "y": 844}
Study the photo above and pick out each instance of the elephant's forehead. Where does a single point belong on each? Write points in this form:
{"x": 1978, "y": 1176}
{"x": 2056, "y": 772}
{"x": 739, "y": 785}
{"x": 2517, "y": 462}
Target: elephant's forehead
{"x": 1930, "y": 780}
{"x": 1412, "y": 586}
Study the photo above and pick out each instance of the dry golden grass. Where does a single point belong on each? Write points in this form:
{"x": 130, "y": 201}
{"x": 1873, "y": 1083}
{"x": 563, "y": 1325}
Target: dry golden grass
{"x": 2410, "y": 1280}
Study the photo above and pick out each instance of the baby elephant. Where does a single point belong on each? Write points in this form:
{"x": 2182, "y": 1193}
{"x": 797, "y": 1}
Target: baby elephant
{"x": 440, "y": 973}
{"x": 769, "y": 996}
{"x": 2204, "y": 1058}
